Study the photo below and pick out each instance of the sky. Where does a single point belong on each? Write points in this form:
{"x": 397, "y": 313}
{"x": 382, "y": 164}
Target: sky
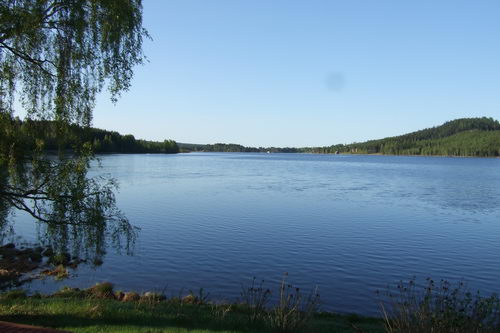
{"x": 308, "y": 73}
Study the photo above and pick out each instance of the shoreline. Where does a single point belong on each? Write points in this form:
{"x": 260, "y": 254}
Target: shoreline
{"x": 442, "y": 307}
{"x": 100, "y": 308}
{"x": 344, "y": 154}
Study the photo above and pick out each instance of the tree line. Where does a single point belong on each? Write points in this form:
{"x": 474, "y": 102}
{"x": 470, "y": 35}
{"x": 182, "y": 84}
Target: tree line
{"x": 461, "y": 137}
{"x": 234, "y": 148}
{"x": 33, "y": 133}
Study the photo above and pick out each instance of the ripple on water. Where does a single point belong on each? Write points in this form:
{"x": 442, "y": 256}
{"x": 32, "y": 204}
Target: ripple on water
{"x": 350, "y": 224}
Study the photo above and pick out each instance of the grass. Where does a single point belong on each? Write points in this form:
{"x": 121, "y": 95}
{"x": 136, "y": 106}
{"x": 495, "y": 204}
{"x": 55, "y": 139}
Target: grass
{"x": 81, "y": 311}
{"x": 410, "y": 308}
{"x": 105, "y": 315}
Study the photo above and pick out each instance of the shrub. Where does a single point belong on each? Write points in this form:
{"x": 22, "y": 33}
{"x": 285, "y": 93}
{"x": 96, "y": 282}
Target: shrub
{"x": 255, "y": 298}
{"x": 293, "y": 311}
{"x": 440, "y": 307}
{"x": 101, "y": 290}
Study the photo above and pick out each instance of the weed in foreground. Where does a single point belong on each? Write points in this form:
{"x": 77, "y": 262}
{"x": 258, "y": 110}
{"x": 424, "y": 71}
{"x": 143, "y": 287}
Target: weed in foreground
{"x": 201, "y": 298}
{"x": 293, "y": 311}
{"x": 439, "y": 307}
{"x": 255, "y": 298}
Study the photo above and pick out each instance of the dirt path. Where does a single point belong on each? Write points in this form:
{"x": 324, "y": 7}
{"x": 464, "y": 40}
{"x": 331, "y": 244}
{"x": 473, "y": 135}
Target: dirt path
{"x": 6, "y": 327}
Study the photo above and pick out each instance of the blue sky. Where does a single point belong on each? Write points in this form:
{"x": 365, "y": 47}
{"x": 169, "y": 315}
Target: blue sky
{"x": 308, "y": 73}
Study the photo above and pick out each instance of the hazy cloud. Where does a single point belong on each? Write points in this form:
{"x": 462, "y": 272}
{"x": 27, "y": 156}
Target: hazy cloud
{"x": 335, "y": 81}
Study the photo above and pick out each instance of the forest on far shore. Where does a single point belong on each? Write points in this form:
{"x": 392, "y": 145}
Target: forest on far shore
{"x": 478, "y": 137}
{"x": 30, "y": 133}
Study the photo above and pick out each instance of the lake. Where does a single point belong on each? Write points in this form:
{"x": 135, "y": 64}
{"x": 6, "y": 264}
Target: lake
{"x": 349, "y": 224}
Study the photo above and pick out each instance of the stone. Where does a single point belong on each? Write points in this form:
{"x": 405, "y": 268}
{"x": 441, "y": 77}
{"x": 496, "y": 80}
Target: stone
{"x": 131, "y": 297}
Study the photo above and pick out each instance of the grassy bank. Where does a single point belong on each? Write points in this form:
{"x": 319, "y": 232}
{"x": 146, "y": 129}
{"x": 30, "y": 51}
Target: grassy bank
{"x": 147, "y": 314}
{"x": 433, "y": 307}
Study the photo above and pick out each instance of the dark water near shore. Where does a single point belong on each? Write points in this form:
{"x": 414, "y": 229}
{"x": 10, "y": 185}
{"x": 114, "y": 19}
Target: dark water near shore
{"x": 349, "y": 224}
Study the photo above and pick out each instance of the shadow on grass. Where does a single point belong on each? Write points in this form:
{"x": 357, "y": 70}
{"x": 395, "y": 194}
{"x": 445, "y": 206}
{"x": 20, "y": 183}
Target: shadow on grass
{"x": 130, "y": 317}
{"x": 112, "y": 316}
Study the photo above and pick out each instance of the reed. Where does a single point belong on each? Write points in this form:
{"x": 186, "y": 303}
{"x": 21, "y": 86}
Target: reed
{"x": 440, "y": 307}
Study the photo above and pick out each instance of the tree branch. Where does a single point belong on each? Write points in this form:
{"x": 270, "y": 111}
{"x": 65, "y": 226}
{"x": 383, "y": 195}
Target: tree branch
{"x": 21, "y": 205}
{"x": 37, "y": 62}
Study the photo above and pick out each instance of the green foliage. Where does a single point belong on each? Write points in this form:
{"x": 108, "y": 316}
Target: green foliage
{"x": 33, "y": 135}
{"x": 56, "y": 55}
{"x": 234, "y": 148}
{"x": 462, "y": 137}
{"x": 60, "y": 259}
{"x": 101, "y": 290}
{"x": 230, "y": 148}
{"x": 61, "y": 52}
{"x": 72, "y": 310}
{"x": 478, "y": 137}
{"x": 77, "y": 212}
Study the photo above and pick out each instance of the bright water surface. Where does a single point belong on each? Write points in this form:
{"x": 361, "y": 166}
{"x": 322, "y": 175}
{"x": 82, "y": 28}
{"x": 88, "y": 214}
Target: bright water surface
{"x": 349, "y": 224}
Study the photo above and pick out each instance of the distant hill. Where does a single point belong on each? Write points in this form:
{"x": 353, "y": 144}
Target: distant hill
{"x": 460, "y": 137}
{"x": 232, "y": 148}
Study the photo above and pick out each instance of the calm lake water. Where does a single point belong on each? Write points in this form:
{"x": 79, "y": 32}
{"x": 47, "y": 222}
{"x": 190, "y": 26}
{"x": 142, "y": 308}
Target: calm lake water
{"x": 349, "y": 224}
